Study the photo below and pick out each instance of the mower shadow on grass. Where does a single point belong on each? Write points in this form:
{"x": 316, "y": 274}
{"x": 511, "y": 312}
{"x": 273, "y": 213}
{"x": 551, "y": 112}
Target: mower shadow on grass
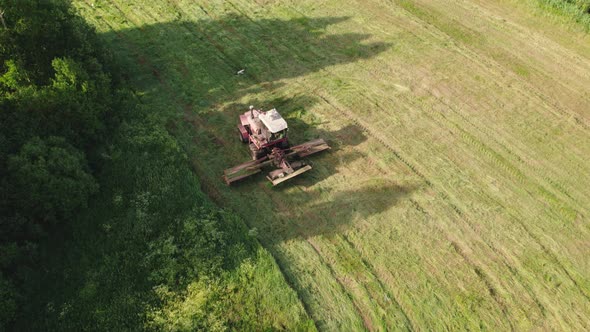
{"x": 312, "y": 211}
{"x": 334, "y": 215}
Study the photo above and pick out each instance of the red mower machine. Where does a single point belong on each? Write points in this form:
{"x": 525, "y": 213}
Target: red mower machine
{"x": 266, "y": 135}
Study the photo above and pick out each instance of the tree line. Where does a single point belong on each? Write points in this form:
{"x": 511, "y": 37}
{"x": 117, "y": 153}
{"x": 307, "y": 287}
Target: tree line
{"x": 57, "y": 105}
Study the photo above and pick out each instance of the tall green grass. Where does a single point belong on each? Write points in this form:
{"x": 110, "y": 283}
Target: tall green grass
{"x": 576, "y": 10}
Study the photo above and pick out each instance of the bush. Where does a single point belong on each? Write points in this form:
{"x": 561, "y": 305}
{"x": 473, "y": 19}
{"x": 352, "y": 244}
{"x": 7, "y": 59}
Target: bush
{"x": 49, "y": 180}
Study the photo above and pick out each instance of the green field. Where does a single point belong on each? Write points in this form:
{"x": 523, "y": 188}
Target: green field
{"x": 457, "y": 191}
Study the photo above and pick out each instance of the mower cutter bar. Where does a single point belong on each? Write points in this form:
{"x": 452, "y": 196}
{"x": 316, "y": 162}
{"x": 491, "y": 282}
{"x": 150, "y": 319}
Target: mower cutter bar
{"x": 309, "y": 148}
{"x": 290, "y": 176}
{"x": 250, "y": 168}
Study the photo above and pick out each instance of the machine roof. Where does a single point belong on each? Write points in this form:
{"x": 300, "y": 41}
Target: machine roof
{"x": 273, "y": 121}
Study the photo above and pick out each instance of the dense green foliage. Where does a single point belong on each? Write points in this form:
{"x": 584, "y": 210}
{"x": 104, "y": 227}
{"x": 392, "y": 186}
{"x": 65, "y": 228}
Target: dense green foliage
{"x": 56, "y": 106}
{"x": 151, "y": 252}
{"x": 103, "y": 225}
{"x": 578, "y": 10}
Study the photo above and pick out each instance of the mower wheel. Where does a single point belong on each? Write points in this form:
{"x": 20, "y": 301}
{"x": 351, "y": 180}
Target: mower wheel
{"x": 241, "y": 137}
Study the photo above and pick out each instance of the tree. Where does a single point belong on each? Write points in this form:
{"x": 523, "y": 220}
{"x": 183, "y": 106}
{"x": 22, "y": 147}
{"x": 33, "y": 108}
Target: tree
{"x": 49, "y": 179}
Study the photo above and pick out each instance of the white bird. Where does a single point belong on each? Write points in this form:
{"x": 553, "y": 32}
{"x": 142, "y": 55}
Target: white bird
{"x": 241, "y": 71}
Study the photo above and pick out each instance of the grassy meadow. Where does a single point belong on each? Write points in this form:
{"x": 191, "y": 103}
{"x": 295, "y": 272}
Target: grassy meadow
{"x": 456, "y": 194}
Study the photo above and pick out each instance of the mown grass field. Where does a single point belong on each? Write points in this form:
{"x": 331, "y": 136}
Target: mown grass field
{"x": 457, "y": 192}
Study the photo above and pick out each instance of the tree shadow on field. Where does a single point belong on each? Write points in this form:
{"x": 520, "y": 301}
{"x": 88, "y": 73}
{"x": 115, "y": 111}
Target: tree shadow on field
{"x": 186, "y": 72}
{"x": 199, "y": 61}
{"x": 194, "y": 65}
